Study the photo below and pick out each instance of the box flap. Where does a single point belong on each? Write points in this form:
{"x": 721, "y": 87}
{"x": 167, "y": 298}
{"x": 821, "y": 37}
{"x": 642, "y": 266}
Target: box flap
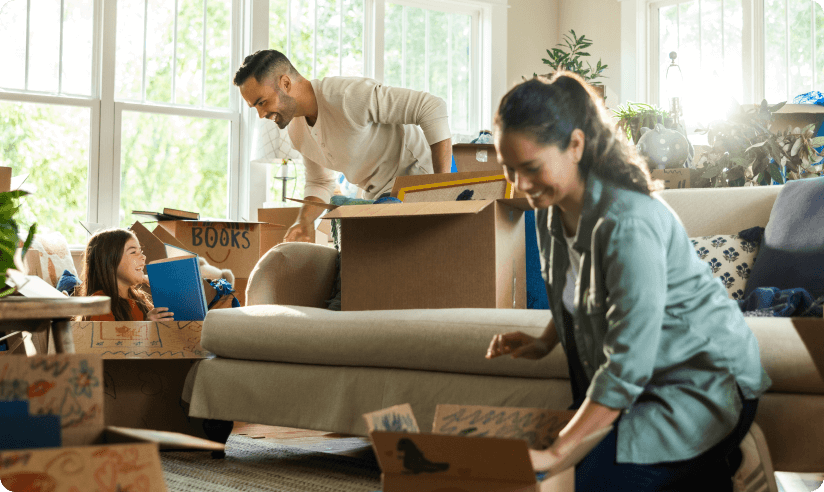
{"x": 519, "y": 203}
{"x": 280, "y": 217}
{"x": 405, "y": 186}
{"x": 166, "y": 237}
{"x": 153, "y": 247}
{"x": 408, "y": 209}
{"x": 164, "y": 439}
{"x": 811, "y": 332}
{"x": 397, "y": 419}
{"x": 800, "y": 108}
{"x": 538, "y": 426}
{"x": 432, "y": 457}
{"x": 327, "y": 206}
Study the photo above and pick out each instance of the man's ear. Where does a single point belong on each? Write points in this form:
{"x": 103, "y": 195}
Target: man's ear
{"x": 285, "y": 83}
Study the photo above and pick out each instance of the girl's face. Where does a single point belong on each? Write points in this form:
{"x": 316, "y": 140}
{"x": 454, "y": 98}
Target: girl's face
{"x": 547, "y": 175}
{"x": 130, "y": 269}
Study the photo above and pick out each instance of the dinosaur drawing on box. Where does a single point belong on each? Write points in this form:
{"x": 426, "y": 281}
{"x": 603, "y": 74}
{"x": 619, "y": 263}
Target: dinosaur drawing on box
{"x": 414, "y": 460}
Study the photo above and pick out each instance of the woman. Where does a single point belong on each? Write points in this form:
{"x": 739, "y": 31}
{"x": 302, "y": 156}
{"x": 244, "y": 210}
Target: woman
{"x": 113, "y": 266}
{"x": 655, "y": 347}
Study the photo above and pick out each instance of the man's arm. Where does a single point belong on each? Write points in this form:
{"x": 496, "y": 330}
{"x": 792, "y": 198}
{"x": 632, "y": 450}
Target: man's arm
{"x": 301, "y": 230}
{"x": 442, "y": 156}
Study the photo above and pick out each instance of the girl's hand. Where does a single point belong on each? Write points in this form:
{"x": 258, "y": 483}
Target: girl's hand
{"x": 518, "y": 344}
{"x": 160, "y": 314}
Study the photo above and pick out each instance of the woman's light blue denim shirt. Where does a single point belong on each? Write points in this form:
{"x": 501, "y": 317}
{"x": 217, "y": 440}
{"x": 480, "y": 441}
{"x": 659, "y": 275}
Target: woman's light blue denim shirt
{"x": 656, "y": 334}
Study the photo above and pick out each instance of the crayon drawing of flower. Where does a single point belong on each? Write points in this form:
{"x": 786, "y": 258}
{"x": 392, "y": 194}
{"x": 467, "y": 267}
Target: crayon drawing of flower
{"x": 83, "y": 379}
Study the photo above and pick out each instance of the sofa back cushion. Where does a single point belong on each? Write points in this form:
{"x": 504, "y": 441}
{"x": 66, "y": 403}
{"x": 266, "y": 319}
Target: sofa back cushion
{"x": 298, "y": 274}
{"x": 792, "y": 250}
{"x": 711, "y": 211}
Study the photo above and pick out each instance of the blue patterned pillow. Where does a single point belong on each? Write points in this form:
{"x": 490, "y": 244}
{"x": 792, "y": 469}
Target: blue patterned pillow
{"x": 730, "y": 258}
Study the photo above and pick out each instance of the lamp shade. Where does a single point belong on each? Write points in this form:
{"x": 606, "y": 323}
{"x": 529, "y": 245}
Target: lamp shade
{"x": 270, "y": 143}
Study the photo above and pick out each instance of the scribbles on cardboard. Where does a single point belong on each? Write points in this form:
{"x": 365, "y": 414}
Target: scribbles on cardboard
{"x": 139, "y": 339}
{"x": 393, "y": 419}
{"x": 539, "y": 427}
{"x": 67, "y": 385}
{"x": 115, "y": 467}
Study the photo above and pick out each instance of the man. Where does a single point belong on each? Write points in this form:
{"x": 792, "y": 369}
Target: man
{"x": 369, "y": 132}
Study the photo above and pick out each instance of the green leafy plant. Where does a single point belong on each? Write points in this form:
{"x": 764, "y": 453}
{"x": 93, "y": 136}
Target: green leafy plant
{"x": 567, "y": 56}
{"x": 744, "y": 150}
{"x": 10, "y": 237}
{"x": 634, "y": 116}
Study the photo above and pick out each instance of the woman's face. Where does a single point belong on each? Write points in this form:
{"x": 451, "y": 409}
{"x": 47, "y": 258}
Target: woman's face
{"x": 546, "y": 174}
{"x": 130, "y": 269}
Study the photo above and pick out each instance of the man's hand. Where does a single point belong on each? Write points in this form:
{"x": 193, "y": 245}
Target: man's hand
{"x": 299, "y": 233}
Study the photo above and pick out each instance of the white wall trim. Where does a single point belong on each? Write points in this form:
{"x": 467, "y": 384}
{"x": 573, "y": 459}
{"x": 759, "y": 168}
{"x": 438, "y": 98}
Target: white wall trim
{"x": 634, "y": 51}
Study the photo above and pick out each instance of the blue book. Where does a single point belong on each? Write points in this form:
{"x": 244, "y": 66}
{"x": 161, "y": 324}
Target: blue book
{"x": 176, "y": 284}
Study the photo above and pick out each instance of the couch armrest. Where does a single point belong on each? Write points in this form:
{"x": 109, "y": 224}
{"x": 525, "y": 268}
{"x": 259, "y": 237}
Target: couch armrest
{"x": 294, "y": 274}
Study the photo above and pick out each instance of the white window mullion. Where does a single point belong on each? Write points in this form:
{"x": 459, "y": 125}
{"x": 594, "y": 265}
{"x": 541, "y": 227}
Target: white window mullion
{"x": 28, "y": 41}
{"x": 475, "y": 68}
{"x": 449, "y": 27}
{"x": 145, "y": 41}
{"x": 203, "y": 59}
{"x": 289, "y": 29}
{"x": 787, "y": 44}
{"x": 813, "y": 47}
{"x": 700, "y": 37}
{"x": 340, "y": 37}
{"x": 60, "y": 55}
{"x": 315, "y": 42}
{"x": 174, "y": 54}
{"x": 104, "y": 182}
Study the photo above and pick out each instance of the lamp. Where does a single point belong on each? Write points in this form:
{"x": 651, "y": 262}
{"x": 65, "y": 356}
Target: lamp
{"x": 675, "y": 85}
{"x": 272, "y": 145}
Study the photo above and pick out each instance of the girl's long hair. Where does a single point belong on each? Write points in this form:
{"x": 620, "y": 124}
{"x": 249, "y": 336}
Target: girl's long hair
{"x": 100, "y": 261}
{"x": 550, "y": 109}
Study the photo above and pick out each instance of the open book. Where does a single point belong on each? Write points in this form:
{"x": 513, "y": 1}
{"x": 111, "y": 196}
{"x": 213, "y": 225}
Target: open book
{"x": 176, "y": 284}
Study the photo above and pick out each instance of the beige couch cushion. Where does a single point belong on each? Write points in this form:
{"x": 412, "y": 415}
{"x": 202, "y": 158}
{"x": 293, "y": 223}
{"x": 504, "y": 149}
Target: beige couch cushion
{"x": 273, "y": 280}
{"x": 442, "y": 340}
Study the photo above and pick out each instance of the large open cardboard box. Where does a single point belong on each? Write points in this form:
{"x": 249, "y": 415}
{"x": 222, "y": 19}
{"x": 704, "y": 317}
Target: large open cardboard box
{"x": 278, "y": 221}
{"x": 472, "y": 449}
{"x": 145, "y": 364}
{"x": 433, "y": 255}
{"x": 68, "y": 389}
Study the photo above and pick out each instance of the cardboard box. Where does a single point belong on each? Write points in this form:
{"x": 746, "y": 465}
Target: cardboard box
{"x": 475, "y": 157}
{"x": 673, "y": 178}
{"x": 433, "y": 255}
{"x": 471, "y": 448}
{"x": 485, "y": 185}
{"x": 5, "y": 179}
{"x": 797, "y": 115}
{"x": 278, "y": 221}
{"x": 145, "y": 365}
{"x": 224, "y": 244}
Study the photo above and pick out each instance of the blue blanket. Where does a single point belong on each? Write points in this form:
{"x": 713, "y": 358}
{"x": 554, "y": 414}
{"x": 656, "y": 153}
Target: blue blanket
{"x": 770, "y": 301}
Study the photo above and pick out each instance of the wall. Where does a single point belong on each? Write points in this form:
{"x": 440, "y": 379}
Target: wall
{"x": 600, "y": 21}
{"x": 532, "y": 28}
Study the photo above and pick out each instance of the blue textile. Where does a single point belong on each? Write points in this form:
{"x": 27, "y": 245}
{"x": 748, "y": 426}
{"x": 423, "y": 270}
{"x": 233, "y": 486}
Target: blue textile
{"x": 387, "y": 199}
{"x": 781, "y": 303}
{"x": 68, "y": 282}
{"x": 223, "y": 288}
{"x": 454, "y": 168}
{"x": 536, "y": 297}
{"x": 814, "y": 97}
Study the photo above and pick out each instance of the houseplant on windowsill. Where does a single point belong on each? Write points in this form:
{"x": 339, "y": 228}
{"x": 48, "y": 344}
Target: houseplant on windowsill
{"x": 10, "y": 256}
{"x": 743, "y": 151}
{"x": 634, "y": 116}
{"x": 568, "y": 56}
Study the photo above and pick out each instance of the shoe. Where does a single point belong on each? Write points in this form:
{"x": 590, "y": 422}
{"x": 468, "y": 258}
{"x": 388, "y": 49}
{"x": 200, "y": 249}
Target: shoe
{"x": 756, "y": 473}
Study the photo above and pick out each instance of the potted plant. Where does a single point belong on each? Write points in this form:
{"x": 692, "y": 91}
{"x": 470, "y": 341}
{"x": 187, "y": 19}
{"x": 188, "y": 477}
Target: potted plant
{"x": 743, "y": 150}
{"x": 634, "y": 116}
{"x": 10, "y": 256}
{"x": 568, "y": 56}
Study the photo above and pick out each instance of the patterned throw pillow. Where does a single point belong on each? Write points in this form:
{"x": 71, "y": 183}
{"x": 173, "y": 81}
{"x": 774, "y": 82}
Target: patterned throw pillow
{"x": 730, "y": 258}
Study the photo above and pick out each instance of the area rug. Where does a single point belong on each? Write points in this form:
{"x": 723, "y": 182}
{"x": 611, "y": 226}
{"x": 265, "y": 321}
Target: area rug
{"x": 257, "y": 464}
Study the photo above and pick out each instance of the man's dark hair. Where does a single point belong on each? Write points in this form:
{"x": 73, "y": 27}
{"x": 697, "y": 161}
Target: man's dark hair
{"x": 261, "y": 65}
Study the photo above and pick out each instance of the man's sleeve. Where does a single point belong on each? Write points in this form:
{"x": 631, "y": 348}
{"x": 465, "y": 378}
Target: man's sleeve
{"x": 377, "y": 103}
{"x": 320, "y": 182}
{"x": 635, "y": 274}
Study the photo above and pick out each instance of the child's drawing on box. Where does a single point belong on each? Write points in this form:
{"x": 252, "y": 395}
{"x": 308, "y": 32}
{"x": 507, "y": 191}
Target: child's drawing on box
{"x": 113, "y": 266}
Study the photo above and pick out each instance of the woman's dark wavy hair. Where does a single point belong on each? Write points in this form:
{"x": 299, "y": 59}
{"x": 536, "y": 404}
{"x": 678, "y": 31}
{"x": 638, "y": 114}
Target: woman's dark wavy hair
{"x": 100, "y": 261}
{"x": 550, "y": 109}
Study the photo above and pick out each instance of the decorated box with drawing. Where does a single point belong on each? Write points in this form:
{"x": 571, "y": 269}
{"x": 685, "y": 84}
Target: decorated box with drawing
{"x": 471, "y": 448}
{"x": 139, "y": 339}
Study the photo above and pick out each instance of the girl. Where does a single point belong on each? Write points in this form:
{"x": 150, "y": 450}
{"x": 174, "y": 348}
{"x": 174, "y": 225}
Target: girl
{"x": 113, "y": 266}
{"x": 654, "y": 345}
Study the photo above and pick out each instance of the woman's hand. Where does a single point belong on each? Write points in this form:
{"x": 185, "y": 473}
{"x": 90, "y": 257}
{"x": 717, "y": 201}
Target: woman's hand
{"x": 160, "y": 314}
{"x": 518, "y": 344}
{"x": 543, "y": 461}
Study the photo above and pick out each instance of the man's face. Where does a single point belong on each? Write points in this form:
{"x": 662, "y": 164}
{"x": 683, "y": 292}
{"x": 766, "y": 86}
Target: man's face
{"x": 270, "y": 101}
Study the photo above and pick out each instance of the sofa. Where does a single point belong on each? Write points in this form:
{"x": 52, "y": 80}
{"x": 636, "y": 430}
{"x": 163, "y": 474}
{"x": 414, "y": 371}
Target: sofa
{"x": 285, "y": 360}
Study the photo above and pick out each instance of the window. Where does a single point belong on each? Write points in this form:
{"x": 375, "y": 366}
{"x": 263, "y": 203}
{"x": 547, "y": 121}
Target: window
{"x": 722, "y": 43}
{"x": 46, "y": 108}
{"x": 173, "y": 115}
